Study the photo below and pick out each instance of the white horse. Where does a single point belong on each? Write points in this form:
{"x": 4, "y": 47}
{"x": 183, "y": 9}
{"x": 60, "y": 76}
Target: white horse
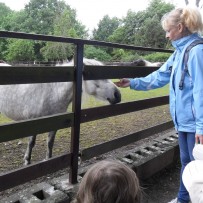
{"x": 27, "y": 101}
{"x": 138, "y": 62}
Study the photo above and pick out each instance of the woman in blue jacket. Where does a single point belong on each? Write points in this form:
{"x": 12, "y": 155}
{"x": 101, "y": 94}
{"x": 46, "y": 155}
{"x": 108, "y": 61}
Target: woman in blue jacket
{"x": 182, "y": 26}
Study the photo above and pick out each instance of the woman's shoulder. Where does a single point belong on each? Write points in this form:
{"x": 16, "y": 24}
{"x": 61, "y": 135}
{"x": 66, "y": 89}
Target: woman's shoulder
{"x": 196, "y": 45}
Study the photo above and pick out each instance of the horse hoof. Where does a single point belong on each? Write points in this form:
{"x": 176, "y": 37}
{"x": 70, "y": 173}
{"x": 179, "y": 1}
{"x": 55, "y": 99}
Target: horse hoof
{"x": 26, "y": 163}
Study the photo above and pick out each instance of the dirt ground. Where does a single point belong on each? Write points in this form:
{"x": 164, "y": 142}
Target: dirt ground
{"x": 160, "y": 188}
{"x": 163, "y": 186}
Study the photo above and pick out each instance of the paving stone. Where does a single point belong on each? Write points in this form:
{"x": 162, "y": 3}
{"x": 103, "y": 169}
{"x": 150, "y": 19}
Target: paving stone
{"x": 39, "y": 193}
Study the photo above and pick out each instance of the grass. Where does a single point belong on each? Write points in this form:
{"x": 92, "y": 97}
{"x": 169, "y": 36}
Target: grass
{"x": 131, "y": 95}
{"x": 127, "y": 95}
{"x": 4, "y": 119}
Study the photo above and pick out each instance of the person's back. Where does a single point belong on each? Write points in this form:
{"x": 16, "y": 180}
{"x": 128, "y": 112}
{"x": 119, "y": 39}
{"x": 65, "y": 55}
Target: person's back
{"x": 109, "y": 182}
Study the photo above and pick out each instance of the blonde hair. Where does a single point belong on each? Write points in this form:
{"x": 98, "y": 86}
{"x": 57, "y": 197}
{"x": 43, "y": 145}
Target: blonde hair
{"x": 190, "y": 17}
{"x": 109, "y": 181}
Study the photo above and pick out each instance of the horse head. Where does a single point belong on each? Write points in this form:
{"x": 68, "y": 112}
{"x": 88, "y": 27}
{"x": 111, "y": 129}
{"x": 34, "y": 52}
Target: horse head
{"x": 104, "y": 89}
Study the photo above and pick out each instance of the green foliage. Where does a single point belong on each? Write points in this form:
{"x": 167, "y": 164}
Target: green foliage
{"x": 130, "y": 57}
{"x": 15, "y": 21}
{"x": 124, "y": 55}
{"x": 96, "y": 53}
{"x": 118, "y": 54}
{"x": 131, "y": 24}
{"x": 151, "y": 33}
{"x": 4, "y": 12}
{"x": 55, "y": 17}
{"x": 106, "y": 28}
{"x": 157, "y": 57}
{"x": 141, "y": 28}
{"x": 3, "y": 49}
{"x": 40, "y": 15}
{"x": 56, "y": 50}
{"x": 64, "y": 25}
{"x": 148, "y": 34}
{"x": 158, "y": 8}
{"x": 20, "y": 50}
{"x": 117, "y": 36}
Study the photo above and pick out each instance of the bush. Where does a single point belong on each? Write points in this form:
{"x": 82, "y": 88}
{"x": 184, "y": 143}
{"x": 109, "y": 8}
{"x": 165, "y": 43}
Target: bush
{"x": 157, "y": 57}
{"x": 131, "y": 57}
{"x": 96, "y": 53}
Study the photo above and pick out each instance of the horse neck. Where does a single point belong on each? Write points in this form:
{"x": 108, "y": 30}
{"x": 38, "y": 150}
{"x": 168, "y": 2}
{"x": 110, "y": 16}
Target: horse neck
{"x": 65, "y": 89}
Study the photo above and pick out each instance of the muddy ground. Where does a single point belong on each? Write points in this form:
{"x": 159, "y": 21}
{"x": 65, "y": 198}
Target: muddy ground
{"x": 160, "y": 188}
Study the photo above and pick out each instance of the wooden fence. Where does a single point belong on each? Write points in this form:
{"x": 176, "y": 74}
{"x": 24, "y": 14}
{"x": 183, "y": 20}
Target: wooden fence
{"x": 23, "y": 75}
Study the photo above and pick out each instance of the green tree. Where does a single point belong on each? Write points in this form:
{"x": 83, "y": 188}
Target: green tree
{"x": 67, "y": 26}
{"x": 143, "y": 28}
{"x": 3, "y": 49}
{"x": 43, "y": 17}
{"x": 158, "y": 8}
{"x": 151, "y": 34}
{"x": 15, "y": 21}
{"x": 117, "y": 36}
{"x": 106, "y": 27}
{"x": 40, "y": 15}
{"x": 131, "y": 24}
{"x": 4, "y": 12}
{"x": 20, "y": 50}
{"x": 97, "y": 53}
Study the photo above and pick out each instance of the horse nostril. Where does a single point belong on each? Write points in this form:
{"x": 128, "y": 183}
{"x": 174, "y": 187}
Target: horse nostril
{"x": 116, "y": 99}
{"x": 117, "y": 95}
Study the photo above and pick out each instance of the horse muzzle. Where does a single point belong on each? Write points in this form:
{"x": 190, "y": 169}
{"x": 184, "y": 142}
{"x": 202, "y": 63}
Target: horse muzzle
{"x": 116, "y": 99}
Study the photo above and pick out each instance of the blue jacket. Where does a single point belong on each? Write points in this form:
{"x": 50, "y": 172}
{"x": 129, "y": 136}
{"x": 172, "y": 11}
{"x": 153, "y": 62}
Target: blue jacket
{"x": 186, "y": 106}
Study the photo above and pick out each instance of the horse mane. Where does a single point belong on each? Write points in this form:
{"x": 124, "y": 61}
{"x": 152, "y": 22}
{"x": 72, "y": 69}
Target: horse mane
{"x": 143, "y": 62}
{"x": 3, "y": 63}
{"x": 86, "y": 61}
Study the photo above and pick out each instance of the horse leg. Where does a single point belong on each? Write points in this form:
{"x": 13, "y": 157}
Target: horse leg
{"x": 28, "y": 152}
{"x": 50, "y": 144}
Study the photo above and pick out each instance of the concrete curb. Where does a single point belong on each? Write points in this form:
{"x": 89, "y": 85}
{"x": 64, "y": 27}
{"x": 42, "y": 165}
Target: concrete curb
{"x": 39, "y": 193}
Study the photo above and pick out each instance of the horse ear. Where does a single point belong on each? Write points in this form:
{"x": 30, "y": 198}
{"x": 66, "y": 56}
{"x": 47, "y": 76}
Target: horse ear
{"x": 70, "y": 58}
{"x": 139, "y": 62}
{"x": 3, "y": 63}
{"x": 160, "y": 63}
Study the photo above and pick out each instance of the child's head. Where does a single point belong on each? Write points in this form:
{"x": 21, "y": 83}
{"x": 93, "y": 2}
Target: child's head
{"x": 109, "y": 182}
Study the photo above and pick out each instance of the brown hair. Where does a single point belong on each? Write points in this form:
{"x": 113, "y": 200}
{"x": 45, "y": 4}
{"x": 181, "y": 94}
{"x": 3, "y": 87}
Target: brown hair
{"x": 190, "y": 17}
{"x": 109, "y": 181}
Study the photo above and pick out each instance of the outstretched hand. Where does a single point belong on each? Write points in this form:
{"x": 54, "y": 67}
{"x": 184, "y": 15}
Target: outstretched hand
{"x": 123, "y": 83}
{"x": 199, "y": 139}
